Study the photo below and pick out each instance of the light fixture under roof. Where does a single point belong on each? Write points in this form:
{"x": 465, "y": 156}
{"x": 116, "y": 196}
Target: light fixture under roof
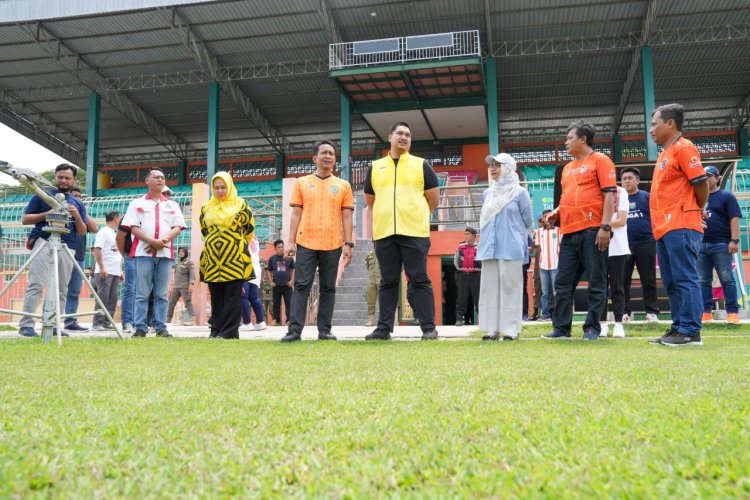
{"x": 373, "y": 13}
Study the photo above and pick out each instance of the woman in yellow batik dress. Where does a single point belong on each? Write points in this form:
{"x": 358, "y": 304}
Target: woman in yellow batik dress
{"x": 227, "y": 226}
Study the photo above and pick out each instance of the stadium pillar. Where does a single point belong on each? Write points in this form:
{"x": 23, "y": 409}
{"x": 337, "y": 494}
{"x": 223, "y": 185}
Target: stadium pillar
{"x": 617, "y": 148}
{"x": 492, "y": 121}
{"x": 742, "y": 139}
{"x": 181, "y": 172}
{"x": 92, "y": 144}
{"x": 649, "y": 98}
{"x": 346, "y": 138}
{"x": 279, "y": 166}
{"x": 212, "y": 160}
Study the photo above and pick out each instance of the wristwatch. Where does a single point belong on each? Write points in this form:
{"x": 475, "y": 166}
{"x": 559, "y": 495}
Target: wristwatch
{"x": 606, "y": 227}
{"x": 736, "y": 242}
{"x": 349, "y": 244}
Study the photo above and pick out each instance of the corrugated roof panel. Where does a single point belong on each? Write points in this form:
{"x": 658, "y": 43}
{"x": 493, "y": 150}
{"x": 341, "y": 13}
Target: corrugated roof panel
{"x": 563, "y": 31}
{"x": 260, "y": 27}
{"x": 223, "y": 11}
{"x": 12, "y": 34}
{"x": 30, "y": 50}
{"x": 155, "y": 68}
{"x": 276, "y": 56}
{"x": 49, "y": 79}
{"x": 108, "y": 24}
{"x": 690, "y": 7}
{"x": 274, "y": 44}
{"x": 146, "y": 40}
{"x": 138, "y": 57}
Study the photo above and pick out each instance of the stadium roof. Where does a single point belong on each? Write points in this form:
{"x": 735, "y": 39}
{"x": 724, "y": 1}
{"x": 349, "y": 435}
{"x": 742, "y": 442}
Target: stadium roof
{"x": 557, "y": 60}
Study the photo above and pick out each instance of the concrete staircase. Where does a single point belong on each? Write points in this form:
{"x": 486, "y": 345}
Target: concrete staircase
{"x": 351, "y": 305}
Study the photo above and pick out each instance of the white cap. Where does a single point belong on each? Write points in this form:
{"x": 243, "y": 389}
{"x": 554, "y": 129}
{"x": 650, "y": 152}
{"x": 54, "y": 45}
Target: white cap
{"x": 166, "y": 190}
{"x": 503, "y": 158}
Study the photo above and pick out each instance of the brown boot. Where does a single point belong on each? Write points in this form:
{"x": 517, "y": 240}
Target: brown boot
{"x": 370, "y": 320}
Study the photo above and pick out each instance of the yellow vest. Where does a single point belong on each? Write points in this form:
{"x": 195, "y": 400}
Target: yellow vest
{"x": 400, "y": 206}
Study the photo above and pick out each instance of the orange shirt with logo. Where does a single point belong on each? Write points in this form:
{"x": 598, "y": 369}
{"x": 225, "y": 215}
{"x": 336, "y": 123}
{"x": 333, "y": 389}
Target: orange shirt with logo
{"x": 322, "y": 201}
{"x": 673, "y": 205}
{"x": 583, "y": 185}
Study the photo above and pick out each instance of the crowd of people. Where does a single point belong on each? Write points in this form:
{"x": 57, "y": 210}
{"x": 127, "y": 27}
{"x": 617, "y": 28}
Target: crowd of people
{"x": 599, "y": 232}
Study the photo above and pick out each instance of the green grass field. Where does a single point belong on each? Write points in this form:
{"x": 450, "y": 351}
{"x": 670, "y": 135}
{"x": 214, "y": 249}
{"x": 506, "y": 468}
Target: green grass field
{"x": 158, "y": 417}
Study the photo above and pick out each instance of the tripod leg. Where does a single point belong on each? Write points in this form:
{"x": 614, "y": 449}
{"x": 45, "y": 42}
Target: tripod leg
{"x": 23, "y": 267}
{"x": 77, "y": 268}
{"x": 51, "y": 305}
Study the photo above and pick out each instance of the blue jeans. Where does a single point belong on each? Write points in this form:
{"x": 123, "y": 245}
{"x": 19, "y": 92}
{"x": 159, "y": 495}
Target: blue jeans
{"x": 711, "y": 256}
{"x": 250, "y": 298}
{"x": 579, "y": 254}
{"x": 548, "y": 288}
{"x": 152, "y": 273}
{"x": 74, "y": 293}
{"x": 678, "y": 255}
{"x": 128, "y": 292}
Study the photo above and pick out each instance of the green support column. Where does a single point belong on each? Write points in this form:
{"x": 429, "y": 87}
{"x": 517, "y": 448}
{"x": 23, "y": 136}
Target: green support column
{"x": 346, "y": 138}
{"x": 92, "y": 144}
{"x": 279, "y": 166}
{"x": 649, "y": 98}
{"x": 742, "y": 140}
{"x": 492, "y": 121}
{"x": 181, "y": 172}
{"x": 212, "y": 160}
{"x": 617, "y": 148}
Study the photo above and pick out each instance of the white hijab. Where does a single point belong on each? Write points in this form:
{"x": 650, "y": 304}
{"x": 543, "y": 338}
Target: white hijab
{"x": 502, "y": 191}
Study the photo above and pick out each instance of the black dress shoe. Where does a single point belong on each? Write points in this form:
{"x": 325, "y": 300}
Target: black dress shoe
{"x": 292, "y": 337}
{"x": 326, "y": 336}
{"x": 508, "y": 338}
{"x": 493, "y": 336}
{"x": 430, "y": 335}
{"x": 379, "y": 335}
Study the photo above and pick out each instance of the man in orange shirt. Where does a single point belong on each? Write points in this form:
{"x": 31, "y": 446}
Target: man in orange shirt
{"x": 679, "y": 192}
{"x": 586, "y": 205}
{"x": 322, "y": 205}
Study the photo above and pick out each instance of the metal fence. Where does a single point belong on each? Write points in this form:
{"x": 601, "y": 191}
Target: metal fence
{"x": 13, "y": 253}
{"x": 400, "y": 50}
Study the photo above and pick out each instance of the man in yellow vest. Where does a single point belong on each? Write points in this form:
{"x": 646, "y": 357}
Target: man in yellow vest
{"x": 401, "y": 191}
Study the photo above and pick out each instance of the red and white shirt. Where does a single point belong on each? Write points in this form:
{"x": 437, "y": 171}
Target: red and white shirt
{"x": 548, "y": 241}
{"x": 156, "y": 218}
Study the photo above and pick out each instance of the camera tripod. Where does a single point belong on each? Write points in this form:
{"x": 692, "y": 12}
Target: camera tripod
{"x": 54, "y": 249}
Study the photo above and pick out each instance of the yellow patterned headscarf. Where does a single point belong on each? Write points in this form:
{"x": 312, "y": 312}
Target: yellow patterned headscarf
{"x": 221, "y": 213}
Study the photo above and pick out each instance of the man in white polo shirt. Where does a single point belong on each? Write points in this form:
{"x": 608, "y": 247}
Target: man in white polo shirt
{"x": 155, "y": 221}
{"x": 107, "y": 270}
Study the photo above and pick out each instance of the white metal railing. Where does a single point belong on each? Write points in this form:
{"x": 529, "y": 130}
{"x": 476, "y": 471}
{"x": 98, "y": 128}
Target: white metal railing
{"x": 404, "y": 49}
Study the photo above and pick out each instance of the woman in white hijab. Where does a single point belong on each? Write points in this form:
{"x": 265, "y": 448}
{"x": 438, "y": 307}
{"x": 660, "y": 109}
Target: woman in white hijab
{"x": 503, "y": 249}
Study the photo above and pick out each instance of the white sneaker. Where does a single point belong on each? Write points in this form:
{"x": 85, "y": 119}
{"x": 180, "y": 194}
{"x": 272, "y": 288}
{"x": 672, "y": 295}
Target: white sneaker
{"x": 652, "y": 318}
{"x": 246, "y": 328}
{"x": 626, "y": 318}
{"x": 99, "y": 328}
{"x": 260, "y": 326}
{"x": 605, "y": 330}
{"x": 618, "y": 331}
{"x": 127, "y": 328}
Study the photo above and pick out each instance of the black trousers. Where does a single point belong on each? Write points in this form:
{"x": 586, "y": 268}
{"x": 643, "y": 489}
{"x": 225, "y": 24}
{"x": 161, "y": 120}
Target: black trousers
{"x": 327, "y": 263}
{"x": 643, "y": 256}
{"x": 616, "y": 275}
{"x": 579, "y": 254}
{"x": 279, "y": 292}
{"x": 409, "y": 252}
{"x": 226, "y": 309}
{"x": 467, "y": 285}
